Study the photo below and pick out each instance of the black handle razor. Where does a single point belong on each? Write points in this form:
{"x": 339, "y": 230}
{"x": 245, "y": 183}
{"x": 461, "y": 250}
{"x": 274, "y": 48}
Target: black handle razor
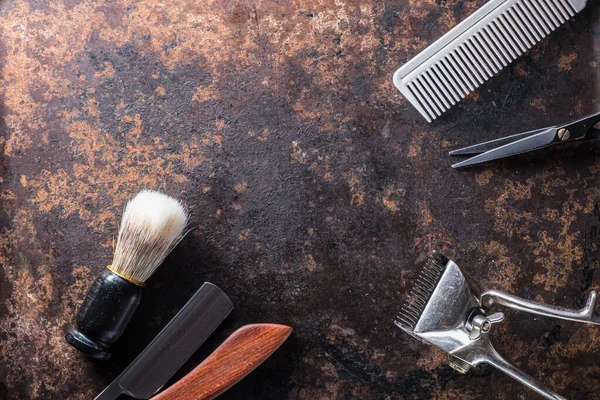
{"x": 104, "y": 314}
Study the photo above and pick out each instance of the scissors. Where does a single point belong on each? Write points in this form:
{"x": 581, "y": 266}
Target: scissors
{"x": 586, "y": 128}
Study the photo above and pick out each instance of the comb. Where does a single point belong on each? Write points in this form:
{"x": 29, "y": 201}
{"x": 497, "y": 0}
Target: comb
{"x": 421, "y": 292}
{"x": 477, "y": 49}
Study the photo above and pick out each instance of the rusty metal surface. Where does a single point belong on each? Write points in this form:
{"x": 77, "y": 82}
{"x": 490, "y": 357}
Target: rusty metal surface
{"x": 316, "y": 190}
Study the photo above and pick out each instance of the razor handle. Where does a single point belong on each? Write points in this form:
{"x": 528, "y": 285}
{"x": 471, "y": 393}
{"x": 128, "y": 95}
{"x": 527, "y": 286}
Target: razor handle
{"x": 236, "y": 357}
{"x": 104, "y": 314}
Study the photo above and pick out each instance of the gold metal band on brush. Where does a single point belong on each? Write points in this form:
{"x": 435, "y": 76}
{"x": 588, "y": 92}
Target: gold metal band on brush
{"x": 138, "y": 283}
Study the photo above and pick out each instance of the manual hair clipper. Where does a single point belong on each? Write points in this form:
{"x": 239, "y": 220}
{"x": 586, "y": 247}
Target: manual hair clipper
{"x": 446, "y": 311}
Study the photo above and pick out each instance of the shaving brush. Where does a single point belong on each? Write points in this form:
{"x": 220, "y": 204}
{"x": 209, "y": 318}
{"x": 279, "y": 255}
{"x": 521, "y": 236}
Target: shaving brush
{"x": 152, "y": 225}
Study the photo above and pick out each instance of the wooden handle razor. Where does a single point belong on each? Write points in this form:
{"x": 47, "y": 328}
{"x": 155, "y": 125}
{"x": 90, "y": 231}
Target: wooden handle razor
{"x": 240, "y": 354}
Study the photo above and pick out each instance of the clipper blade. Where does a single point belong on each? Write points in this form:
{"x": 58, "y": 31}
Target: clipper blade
{"x": 421, "y": 292}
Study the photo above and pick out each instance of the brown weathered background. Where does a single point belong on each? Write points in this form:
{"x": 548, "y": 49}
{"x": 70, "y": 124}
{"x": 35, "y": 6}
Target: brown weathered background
{"x": 316, "y": 190}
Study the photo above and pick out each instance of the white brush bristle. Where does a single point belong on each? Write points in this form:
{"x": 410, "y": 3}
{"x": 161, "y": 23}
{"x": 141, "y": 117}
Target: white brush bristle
{"x": 152, "y": 225}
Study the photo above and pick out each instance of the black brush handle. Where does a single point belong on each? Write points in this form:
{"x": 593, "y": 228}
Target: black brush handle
{"x": 104, "y": 314}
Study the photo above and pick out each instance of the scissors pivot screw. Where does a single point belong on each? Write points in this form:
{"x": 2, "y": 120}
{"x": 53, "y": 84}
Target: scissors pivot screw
{"x": 564, "y": 134}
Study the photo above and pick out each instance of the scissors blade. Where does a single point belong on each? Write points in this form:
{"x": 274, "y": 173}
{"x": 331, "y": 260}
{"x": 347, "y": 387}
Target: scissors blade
{"x": 493, "y": 144}
{"x": 525, "y": 145}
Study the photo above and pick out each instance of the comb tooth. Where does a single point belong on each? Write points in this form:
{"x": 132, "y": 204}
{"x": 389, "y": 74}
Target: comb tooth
{"x": 496, "y": 45}
{"x": 452, "y": 87}
{"x": 556, "y": 11}
{"x": 473, "y": 70}
{"x": 514, "y": 37}
{"x": 409, "y": 320}
{"x": 572, "y": 11}
{"x": 428, "y": 281}
{"x": 409, "y": 323}
{"x": 517, "y": 48}
{"x": 403, "y": 318}
{"x": 462, "y": 70}
{"x": 548, "y": 13}
{"x": 437, "y": 96}
{"x": 537, "y": 15}
{"x": 524, "y": 25}
{"x": 488, "y": 49}
{"x": 470, "y": 67}
{"x": 421, "y": 289}
{"x": 457, "y": 80}
{"x": 498, "y": 33}
{"x": 417, "y": 95}
{"x": 530, "y": 21}
{"x": 426, "y": 94}
{"x": 509, "y": 35}
{"x": 428, "y": 103}
{"x": 451, "y": 93}
{"x": 442, "y": 90}
{"x": 408, "y": 305}
{"x": 522, "y": 31}
{"x": 423, "y": 97}
{"x": 559, "y": 10}
{"x": 415, "y": 92}
{"x": 548, "y": 25}
{"x": 476, "y": 60}
{"x": 433, "y": 273}
{"x": 568, "y": 9}
{"x": 424, "y": 294}
{"x": 426, "y": 271}
{"x": 487, "y": 58}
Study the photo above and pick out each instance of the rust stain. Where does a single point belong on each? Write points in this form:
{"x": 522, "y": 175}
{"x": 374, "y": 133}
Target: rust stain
{"x": 539, "y": 104}
{"x": 241, "y": 187}
{"x": 393, "y": 198}
{"x": 565, "y": 62}
{"x": 315, "y": 188}
{"x": 483, "y": 178}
